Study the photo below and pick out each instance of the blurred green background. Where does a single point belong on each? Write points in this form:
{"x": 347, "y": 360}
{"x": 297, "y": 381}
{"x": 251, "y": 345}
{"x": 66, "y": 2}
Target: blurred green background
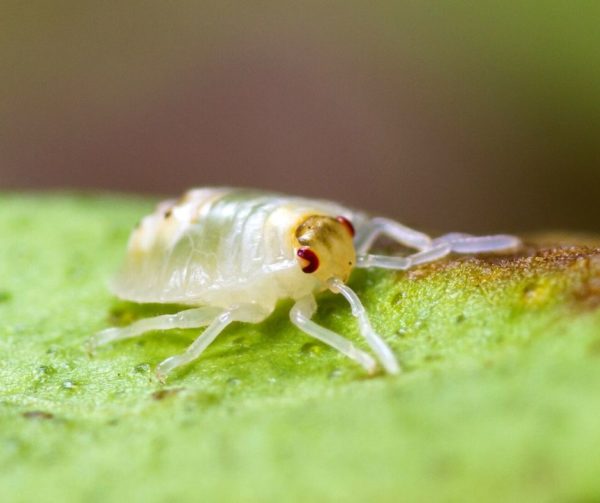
{"x": 447, "y": 115}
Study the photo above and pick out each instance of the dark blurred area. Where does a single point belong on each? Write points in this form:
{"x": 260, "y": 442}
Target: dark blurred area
{"x": 470, "y": 116}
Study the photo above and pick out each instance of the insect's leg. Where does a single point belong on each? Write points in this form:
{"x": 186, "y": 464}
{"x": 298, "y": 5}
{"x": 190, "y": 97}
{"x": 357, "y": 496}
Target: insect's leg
{"x": 249, "y": 313}
{"x": 436, "y": 252}
{"x": 301, "y": 315}
{"x": 466, "y": 243}
{"x": 190, "y": 318}
{"x": 379, "y": 226}
{"x": 378, "y": 345}
{"x": 442, "y": 246}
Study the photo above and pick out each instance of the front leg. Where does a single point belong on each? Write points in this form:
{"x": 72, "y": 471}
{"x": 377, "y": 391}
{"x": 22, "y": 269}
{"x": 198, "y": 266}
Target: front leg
{"x": 436, "y": 252}
{"x": 466, "y": 243}
{"x": 376, "y": 227}
{"x": 428, "y": 250}
{"x": 301, "y": 315}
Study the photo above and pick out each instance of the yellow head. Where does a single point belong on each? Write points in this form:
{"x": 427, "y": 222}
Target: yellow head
{"x": 325, "y": 248}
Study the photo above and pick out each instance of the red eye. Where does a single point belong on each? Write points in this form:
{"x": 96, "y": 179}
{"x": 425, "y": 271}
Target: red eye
{"x": 311, "y": 257}
{"x": 346, "y": 223}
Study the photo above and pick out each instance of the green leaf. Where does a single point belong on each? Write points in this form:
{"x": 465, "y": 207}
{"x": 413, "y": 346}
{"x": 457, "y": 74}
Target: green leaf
{"x": 498, "y": 400}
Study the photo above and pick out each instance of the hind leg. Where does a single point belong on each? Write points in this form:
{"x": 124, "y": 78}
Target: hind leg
{"x": 247, "y": 313}
{"x": 190, "y": 318}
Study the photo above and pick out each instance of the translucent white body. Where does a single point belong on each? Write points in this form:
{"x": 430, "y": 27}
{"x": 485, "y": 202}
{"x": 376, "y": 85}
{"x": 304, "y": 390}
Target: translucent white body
{"x": 222, "y": 247}
{"x": 231, "y": 254}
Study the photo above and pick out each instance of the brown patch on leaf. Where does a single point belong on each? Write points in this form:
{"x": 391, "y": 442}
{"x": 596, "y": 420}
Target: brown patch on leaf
{"x": 588, "y": 293}
{"x": 162, "y": 394}
{"x": 555, "y": 264}
{"x": 529, "y": 261}
{"x": 37, "y": 414}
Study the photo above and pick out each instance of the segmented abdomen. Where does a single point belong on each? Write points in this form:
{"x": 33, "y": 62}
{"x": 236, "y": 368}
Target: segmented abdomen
{"x": 213, "y": 244}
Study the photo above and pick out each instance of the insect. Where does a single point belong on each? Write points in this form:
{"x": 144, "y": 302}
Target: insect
{"x": 231, "y": 254}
